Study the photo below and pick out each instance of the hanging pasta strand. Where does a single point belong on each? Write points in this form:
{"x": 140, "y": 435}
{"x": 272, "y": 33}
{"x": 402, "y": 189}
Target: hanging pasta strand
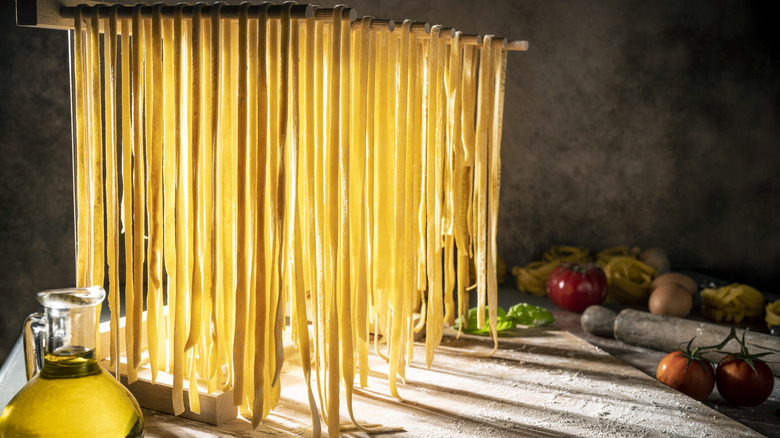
{"x": 319, "y": 303}
{"x": 112, "y": 220}
{"x": 154, "y": 208}
{"x": 180, "y": 317}
{"x": 138, "y": 186}
{"x": 480, "y": 177}
{"x": 97, "y": 262}
{"x": 431, "y": 200}
{"x": 498, "y": 58}
{"x": 216, "y": 321}
{"x": 242, "y": 250}
{"x": 361, "y": 157}
{"x": 170, "y": 173}
{"x": 332, "y": 221}
{"x": 284, "y": 50}
{"x": 298, "y": 295}
{"x": 259, "y": 57}
{"x": 397, "y": 321}
{"x": 127, "y": 198}
{"x": 453, "y": 176}
{"x": 82, "y": 195}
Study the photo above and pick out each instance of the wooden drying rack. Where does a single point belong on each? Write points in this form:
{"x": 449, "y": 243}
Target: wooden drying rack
{"x": 216, "y": 408}
{"x": 59, "y": 14}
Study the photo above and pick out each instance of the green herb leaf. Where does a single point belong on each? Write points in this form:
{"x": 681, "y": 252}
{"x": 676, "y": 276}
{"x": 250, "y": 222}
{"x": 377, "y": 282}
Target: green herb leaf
{"x": 528, "y": 315}
{"x": 503, "y": 323}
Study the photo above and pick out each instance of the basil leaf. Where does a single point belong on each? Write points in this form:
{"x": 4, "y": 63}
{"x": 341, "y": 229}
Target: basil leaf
{"x": 526, "y": 314}
{"x": 503, "y": 323}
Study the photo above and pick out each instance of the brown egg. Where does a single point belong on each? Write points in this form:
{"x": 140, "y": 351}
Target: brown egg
{"x": 670, "y": 299}
{"x": 676, "y": 278}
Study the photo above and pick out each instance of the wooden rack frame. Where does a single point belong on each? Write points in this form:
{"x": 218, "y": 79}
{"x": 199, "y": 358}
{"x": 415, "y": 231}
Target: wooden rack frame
{"x": 216, "y": 408}
{"x": 59, "y": 14}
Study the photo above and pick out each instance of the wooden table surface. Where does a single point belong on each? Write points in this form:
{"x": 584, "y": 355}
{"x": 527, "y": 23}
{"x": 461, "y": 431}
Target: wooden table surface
{"x": 542, "y": 382}
{"x": 555, "y": 381}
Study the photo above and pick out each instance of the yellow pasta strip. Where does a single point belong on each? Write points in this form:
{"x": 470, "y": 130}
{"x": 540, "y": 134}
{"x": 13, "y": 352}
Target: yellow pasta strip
{"x": 468, "y": 99}
{"x": 274, "y": 221}
{"x": 225, "y": 202}
{"x": 439, "y": 145}
{"x": 420, "y": 133}
{"x": 284, "y": 57}
{"x": 449, "y": 279}
{"x": 127, "y": 198}
{"x": 368, "y": 186}
{"x": 453, "y": 176}
{"x": 113, "y": 120}
{"x": 480, "y": 178}
{"x": 138, "y": 186}
{"x": 196, "y": 297}
{"x": 261, "y": 289}
{"x": 462, "y": 283}
{"x": 430, "y": 185}
{"x": 213, "y": 99}
{"x": 356, "y": 167}
{"x": 169, "y": 186}
{"x": 358, "y": 203}
{"x": 399, "y": 219}
{"x": 193, "y": 384}
{"x": 469, "y": 137}
{"x": 196, "y": 207}
{"x": 97, "y": 234}
{"x": 411, "y": 235}
{"x": 345, "y": 259}
{"x": 92, "y": 149}
{"x": 82, "y": 195}
{"x": 381, "y": 215}
{"x": 249, "y": 193}
{"x": 319, "y": 312}
{"x": 154, "y": 118}
{"x": 179, "y": 307}
{"x": 498, "y": 57}
{"x": 242, "y": 250}
{"x": 332, "y": 174}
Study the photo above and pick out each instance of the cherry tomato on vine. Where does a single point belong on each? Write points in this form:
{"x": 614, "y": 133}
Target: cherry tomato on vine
{"x": 742, "y": 384}
{"x": 687, "y": 373}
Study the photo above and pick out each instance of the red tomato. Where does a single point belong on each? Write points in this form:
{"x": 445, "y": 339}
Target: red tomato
{"x": 739, "y": 384}
{"x": 693, "y": 377}
{"x": 574, "y": 287}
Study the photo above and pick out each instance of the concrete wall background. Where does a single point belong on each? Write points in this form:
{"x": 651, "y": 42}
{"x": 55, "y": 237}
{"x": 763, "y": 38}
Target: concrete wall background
{"x": 627, "y": 122}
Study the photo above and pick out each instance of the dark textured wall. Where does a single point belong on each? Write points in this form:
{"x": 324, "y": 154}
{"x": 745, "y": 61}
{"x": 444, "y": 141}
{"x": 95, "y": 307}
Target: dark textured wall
{"x": 627, "y": 122}
{"x": 36, "y": 193}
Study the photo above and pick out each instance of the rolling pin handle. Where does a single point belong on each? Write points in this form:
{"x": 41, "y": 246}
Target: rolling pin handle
{"x": 599, "y": 321}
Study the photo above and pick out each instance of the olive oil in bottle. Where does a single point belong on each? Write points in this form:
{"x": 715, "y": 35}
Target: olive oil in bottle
{"x": 72, "y": 395}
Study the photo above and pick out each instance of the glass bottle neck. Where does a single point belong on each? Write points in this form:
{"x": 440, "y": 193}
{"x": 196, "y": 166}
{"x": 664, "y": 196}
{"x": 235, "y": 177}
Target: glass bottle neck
{"x": 70, "y": 331}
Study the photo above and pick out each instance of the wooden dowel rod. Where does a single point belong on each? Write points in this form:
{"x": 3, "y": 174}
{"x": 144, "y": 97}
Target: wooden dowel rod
{"x": 470, "y": 39}
{"x": 498, "y": 42}
{"x": 420, "y": 29}
{"x": 59, "y": 14}
{"x": 447, "y": 32}
{"x": 228, "y": 11}
{"x": 517, "y": 46}
{"x": 377, "y": 24}
{"x": 327, "y": 13}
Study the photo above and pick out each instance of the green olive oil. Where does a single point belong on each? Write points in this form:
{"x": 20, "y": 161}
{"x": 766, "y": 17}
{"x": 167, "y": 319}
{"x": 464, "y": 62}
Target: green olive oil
{"x": 72, "y": 396}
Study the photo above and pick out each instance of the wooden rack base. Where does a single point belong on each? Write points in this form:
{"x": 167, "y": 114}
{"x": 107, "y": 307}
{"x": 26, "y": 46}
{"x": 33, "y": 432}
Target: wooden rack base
{"x": 215, "y": 408}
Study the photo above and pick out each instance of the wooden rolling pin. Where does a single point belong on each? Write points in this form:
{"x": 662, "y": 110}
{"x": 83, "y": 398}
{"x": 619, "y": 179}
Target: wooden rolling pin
{"x": 666, "y": 333}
